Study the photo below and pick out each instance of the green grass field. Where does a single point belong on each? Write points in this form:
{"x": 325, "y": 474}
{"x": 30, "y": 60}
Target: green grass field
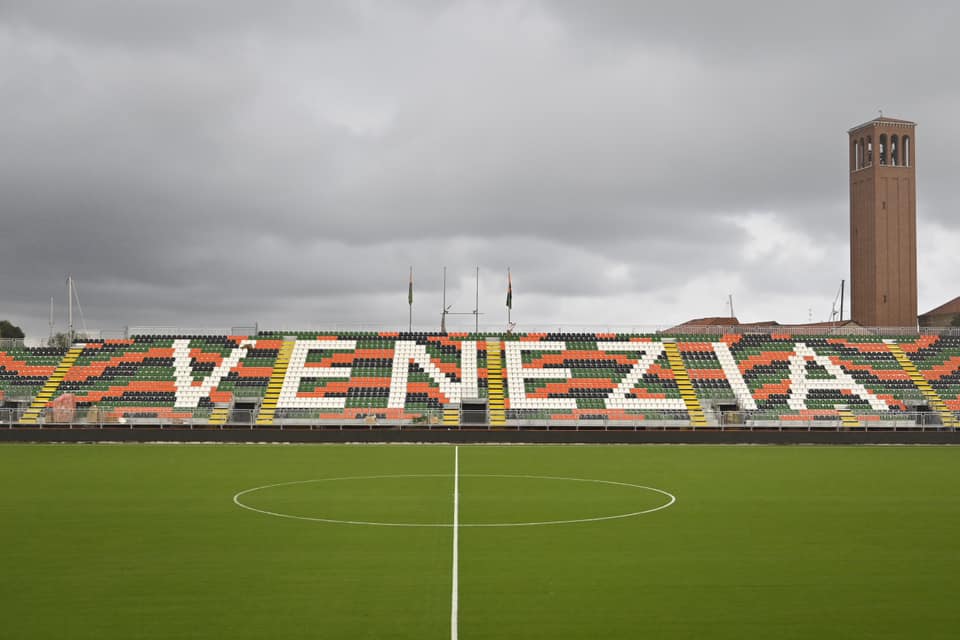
{"x": 137, "y": 541}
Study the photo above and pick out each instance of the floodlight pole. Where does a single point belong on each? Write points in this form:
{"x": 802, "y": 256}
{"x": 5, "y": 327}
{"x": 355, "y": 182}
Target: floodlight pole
{"x": 70, "y": 307}
{"x": 446, "y": 309}
{"x": 842, "y": 292}
{"x": 443, "y": 308}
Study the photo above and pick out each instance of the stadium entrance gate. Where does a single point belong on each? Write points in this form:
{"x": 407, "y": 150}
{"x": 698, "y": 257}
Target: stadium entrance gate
{"x": 473, "y": 412}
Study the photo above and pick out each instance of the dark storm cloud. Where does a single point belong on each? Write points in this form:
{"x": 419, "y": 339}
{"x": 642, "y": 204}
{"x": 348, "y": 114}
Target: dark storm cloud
{"x": 743, "y": 28}
{"x": 219, "y": 163}
{"x": 139, "y": 23}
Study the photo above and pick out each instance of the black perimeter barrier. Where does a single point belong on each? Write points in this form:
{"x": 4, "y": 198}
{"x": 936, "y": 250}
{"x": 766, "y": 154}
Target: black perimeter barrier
{"x": 474, "y": 436}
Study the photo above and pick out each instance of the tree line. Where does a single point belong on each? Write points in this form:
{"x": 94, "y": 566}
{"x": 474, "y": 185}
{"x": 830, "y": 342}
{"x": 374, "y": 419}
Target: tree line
{"x": 10, "y": 331}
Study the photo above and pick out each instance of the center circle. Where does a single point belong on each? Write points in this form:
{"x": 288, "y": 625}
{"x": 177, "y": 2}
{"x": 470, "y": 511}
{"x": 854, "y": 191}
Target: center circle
{"x": 486, "y": 500}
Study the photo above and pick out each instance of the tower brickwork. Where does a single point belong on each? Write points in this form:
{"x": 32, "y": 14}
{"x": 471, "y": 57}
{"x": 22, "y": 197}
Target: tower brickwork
{"x": 883, "y": 223}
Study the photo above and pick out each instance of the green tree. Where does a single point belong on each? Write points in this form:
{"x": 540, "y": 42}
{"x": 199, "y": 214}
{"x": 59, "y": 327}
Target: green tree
{"x": 9, "y": 330}
{"x": 956, "y": 320}
{"x": 61, "y": 340}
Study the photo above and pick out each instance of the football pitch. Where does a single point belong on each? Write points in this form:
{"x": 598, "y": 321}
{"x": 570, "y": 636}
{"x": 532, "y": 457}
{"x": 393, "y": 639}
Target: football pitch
{"x": 436, "y": 541}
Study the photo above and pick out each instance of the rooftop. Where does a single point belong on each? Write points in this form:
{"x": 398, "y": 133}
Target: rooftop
{"x": 882, "y": 120}
{"x": 953, "y": 306}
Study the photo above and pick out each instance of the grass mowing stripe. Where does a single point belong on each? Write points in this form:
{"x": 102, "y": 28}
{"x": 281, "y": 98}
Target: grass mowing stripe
{"x": 455, "y": 589}
{"x": 142, "y": 542}
{"x": 791, "y": 542}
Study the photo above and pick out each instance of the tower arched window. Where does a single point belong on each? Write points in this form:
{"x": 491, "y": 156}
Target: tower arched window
{"x": 883, "y": 148}
{"x": 869, "y": 151}
{"x": 894, "y": 149}
{"x": 906, "y": 151}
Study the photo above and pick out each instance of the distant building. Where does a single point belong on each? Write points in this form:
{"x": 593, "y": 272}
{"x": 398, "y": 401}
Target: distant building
{"x": 883, "y": 223}
{"x": 883, "y": 237}
{"x": 946, "y": 315}
{"x": 704, "y": 325}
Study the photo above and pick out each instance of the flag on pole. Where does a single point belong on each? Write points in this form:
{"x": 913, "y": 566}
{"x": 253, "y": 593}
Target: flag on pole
{"x": 410, "y": 290}
{"x": 509, "y": 291}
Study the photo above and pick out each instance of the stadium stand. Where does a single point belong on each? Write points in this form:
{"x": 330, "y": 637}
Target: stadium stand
{"x": 156, "y": 378}
{"x": 25, "y": 370}
{"x": 382, "y": 378}
{"x": 817, "y": 378}
{"x": 556, "y": 377}
{"x": 933, "y": 364}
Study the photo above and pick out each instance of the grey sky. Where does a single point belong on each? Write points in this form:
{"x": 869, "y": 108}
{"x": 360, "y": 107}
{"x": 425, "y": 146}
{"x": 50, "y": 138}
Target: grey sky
{"x": 225, "y": 162}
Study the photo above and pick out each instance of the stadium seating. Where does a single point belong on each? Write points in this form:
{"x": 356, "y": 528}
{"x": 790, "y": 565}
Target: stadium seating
{"x": 24, "y": 370}
{"x": 165, "y": 378}
{"x": 584, "y": 377}
{"x": 937, "y": 358}
{"x": 816, "y": 377}
{"x": 309, "y": 377}
{"x": 377, "y": 376}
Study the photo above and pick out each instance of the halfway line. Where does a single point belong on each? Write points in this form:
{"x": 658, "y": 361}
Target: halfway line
{"x": 454, "y": 589}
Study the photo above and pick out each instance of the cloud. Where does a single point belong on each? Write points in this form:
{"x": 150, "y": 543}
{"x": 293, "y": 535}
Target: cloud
{"x": 220, "y": 163}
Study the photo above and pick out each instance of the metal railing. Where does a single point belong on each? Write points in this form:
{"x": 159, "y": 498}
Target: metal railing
{"x": 641, "y": 329}
{"x": 498, "y": 330}
{"x": 802, "y": 331}
{"x": 517, "y": 420}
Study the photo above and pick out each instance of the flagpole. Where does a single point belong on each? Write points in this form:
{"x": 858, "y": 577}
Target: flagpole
{"x": 410, "y": 301}
{"x": 509, "y": 297}
{"x": 476, "y": 309}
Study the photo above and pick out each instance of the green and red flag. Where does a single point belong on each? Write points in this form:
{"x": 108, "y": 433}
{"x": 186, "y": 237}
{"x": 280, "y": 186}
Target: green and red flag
{"x": 410, "y": 290}
{"x": 509, "y": 291}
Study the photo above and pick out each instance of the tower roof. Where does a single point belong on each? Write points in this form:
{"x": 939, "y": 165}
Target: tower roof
{"x": 896, "y": 122}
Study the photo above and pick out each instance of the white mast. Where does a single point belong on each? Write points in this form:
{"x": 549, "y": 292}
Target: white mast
{"x": 70, "y": 307}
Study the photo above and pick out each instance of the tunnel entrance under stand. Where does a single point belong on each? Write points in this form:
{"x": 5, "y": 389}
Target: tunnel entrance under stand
{"x": 473, "y": 412}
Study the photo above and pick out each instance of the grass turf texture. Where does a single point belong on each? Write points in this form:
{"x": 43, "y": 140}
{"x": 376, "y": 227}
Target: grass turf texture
{"x": 788, "y": 542}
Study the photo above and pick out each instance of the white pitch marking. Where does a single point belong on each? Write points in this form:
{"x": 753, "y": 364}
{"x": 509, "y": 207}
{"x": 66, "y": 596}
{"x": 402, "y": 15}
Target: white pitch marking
{"x": 670, "y": 502}
{"x": 455, "y": 583}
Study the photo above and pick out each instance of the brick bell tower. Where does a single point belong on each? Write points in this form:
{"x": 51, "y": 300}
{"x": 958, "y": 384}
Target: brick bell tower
{"x": 883, "y": 223}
